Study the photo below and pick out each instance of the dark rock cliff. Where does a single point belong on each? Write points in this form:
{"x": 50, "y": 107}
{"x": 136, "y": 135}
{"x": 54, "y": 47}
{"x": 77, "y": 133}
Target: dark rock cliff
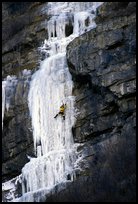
{"x": 23, "y": 31}
{"x": 102, "y": 63}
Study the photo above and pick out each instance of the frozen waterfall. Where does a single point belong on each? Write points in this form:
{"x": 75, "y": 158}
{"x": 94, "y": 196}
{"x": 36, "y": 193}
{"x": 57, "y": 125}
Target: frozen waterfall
{"x": 52, "y": 85}
{"x": 9, "y": 85}
{"x": 8, "y": 89}
{"x": 3, "y": 100}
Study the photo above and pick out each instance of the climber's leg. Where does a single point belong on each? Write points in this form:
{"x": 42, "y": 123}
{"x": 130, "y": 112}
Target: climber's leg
{"x": 56, "y": 115}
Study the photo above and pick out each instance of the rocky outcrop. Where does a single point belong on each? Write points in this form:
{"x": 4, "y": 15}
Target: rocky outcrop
{"x": 23, "y": 31}
{"x": 17, "y": 139}
{"x": 102, "y": 63}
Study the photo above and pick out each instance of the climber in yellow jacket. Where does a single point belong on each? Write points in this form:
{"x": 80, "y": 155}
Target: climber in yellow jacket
{"x": 62, "y": 110}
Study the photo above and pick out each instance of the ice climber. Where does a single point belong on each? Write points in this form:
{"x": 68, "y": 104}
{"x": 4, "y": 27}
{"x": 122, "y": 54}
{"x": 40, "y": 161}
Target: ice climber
{"x": 62, "y": 111}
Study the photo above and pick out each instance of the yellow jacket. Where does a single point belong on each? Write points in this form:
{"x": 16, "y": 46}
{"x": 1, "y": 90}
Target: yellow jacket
{"x": 62, "y": 108}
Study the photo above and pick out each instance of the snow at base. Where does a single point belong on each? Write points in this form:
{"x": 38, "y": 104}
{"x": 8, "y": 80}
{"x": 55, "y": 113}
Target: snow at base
{"x": 9, "y": 189}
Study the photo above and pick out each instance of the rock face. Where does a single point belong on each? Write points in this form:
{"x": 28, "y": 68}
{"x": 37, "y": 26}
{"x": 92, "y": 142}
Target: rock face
{"x": 23, "y": 31}
{"x": 102, "y": 63}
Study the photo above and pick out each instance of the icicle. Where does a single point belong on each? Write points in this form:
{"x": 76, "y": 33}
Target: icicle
{"x": 3, "y": 100}
{"x": 8, "y": 86}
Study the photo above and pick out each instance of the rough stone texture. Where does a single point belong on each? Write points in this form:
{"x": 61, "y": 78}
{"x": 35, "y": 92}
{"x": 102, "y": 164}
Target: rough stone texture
{"x": 102, "y": 63}
{"x": 17, "y": 134}
{"x": 23, "y": 31}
